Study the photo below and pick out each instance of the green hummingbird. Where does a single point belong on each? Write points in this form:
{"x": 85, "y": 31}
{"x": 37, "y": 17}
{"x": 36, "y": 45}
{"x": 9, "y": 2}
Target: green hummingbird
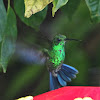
{"x": 60, "y": 73}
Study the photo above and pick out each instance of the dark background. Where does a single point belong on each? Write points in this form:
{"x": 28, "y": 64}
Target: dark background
{"x": 23, "y": 79}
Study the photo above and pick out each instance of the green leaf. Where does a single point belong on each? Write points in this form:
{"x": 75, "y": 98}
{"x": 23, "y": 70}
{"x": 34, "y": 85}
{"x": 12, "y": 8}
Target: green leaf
{"x": 8, "y": 42}
{"x": 3, "y": 18}
{"x": 34, "y": 6}
{"x": 94, "y": 8}
{"x": 35, "y": 20}
{"x": 58, "y": 4}
{"x": 70, "y": 8}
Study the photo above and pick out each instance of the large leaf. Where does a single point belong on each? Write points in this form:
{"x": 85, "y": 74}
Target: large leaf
{"x": 70, "y": 8}
{"x": 58, "y": 4}
{"x": 35, "y": 20}
{"x": 2, "y": 19}
{"x": 94, "y": 7}
{"x": 34, "y": 6}
{"x": 8, "y": 42}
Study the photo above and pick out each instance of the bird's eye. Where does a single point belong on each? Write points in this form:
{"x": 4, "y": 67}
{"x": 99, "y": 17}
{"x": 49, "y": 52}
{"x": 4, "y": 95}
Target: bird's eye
{"x": 58, "y": 39}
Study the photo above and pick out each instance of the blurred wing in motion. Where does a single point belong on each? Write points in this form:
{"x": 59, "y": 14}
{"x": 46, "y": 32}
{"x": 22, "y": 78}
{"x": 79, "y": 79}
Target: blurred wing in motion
{"x": 29, "y": 55}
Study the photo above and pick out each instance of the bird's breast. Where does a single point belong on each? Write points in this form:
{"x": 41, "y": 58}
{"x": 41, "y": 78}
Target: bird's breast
{"x": 56, "y": 57}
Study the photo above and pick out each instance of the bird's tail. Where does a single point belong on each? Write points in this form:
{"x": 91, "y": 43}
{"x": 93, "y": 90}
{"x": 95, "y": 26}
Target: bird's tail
{"x": 64, "y": 75}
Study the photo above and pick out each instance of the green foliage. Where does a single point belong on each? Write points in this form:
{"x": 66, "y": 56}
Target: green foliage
{"x": 8, "y": 42}
{"x": 35, "y": 20}
{"x": 73, "y": 21}
{"x": 3, "y": 18}
{"x": 94, "y": 8}
{"x": 70, "y": 8}
{"x": 58, "y": 4}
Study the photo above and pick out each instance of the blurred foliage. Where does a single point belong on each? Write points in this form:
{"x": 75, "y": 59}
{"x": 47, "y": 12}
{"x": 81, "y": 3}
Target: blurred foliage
{"x": 72, "y": 20}
{"x": 58, "y": 4}
{"x": 71, "y": 7}
{"x": 35, "y": 20}
{"x": 4, "y": 18}
{"x": 9, "y": 39}
{"x": 94, "y": 7}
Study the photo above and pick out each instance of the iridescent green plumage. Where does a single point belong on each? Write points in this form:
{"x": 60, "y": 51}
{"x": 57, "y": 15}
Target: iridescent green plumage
{"x": 56, "y": 53}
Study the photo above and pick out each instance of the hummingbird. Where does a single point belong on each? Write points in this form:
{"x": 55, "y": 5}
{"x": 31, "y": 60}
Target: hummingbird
{"x": 59, "y": 72}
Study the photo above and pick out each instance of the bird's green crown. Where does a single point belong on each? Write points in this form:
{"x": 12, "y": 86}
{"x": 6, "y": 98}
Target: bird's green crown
{"x": 59, "y": 39}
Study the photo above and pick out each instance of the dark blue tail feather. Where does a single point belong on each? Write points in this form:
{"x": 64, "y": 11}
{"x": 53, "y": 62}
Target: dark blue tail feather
{"x": 61, "y": 80}
{"x": 64, "y": 75}
{"x": 68, "y": 73}
{"x": 70, "y": 69}
{"x": 54, "y": 84}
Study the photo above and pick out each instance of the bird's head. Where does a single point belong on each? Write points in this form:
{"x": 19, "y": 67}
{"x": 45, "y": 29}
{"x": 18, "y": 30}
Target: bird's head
{"x": 59, "y": 39}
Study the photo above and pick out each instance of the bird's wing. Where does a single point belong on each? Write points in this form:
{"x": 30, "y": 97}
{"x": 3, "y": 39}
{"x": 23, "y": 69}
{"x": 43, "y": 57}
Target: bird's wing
{"x": 29, "y": 55}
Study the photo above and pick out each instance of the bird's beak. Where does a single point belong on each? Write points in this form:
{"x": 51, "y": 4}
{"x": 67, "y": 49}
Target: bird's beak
{"x": 72, "y": 39}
